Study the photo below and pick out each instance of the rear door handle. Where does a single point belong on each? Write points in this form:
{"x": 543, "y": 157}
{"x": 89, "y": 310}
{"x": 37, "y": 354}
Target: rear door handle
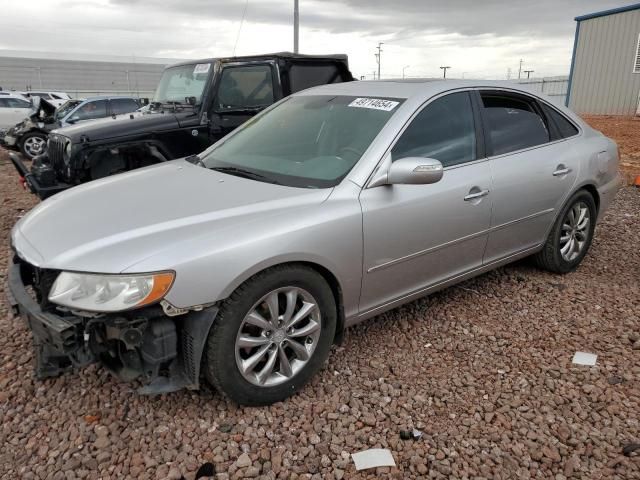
{"x": 561, "y": 171}
{"x": 473, "y": 196}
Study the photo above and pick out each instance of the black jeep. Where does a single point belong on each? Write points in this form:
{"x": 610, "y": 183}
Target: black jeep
{"x": 196, "y": 103}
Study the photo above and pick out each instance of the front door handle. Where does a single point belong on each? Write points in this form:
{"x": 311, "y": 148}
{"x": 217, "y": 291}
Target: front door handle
{"x": 473, "y": 196}
{"x": 561, "y": 170}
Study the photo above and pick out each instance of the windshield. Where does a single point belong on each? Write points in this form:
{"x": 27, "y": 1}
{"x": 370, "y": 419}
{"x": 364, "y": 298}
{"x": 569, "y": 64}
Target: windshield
{"x": 65, "y": 108}
{"x": 179, "y": 83}
{"x": 306, "y": 141}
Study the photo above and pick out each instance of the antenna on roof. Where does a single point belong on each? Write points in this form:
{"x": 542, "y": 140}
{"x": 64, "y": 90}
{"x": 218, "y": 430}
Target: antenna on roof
{"x": 244, "y": 13}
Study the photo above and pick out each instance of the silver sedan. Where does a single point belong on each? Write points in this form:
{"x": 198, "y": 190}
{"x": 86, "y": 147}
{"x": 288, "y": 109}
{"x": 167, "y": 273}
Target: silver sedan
{"x": 247, "y": 262}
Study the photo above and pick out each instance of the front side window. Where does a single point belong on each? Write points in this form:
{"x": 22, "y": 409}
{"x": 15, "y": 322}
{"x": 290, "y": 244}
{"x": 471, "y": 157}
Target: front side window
{"x": 244, "y": 88}
{"x": 90, "y": 111}
{"x": 182, "y": 82}
{"x": 123, "y": 105}
{"x": 514, "y": 122}
{"x": 444, "y": 130}
{"x": 307, "y": 141}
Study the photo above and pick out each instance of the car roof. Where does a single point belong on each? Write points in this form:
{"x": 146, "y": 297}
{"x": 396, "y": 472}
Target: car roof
{"x": 415, "y": 88}
{"x": 267, "y": 56}
{"x": 109, "y": 97}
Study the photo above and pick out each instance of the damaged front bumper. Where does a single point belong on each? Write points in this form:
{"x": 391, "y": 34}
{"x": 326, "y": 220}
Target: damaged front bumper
{"x": 164, "y": 352}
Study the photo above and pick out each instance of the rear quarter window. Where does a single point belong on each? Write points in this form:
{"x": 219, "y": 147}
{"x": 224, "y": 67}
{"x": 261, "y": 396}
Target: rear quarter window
{"x": 565, "y": 127}
{"x": 302, "y": 77}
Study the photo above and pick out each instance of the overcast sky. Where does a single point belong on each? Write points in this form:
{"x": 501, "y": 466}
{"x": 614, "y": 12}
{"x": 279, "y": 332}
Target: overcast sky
{"x": 480, "y": 39}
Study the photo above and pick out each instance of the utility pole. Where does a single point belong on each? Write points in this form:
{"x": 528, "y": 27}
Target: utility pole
{"x": 528, "y": 72}
{"x": 378, "y": 57}
{"x": 296, "y": 25}
{"x": 520, "y": 69}
{"x": 509, "y": 73}
{"x": 444, "y": 72}
{"x": 374, "y": 74}
{"x": 403, "y": 69}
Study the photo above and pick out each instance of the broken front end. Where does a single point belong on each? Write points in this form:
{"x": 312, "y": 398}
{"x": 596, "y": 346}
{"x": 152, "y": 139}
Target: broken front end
{"x": 158, "y": 344}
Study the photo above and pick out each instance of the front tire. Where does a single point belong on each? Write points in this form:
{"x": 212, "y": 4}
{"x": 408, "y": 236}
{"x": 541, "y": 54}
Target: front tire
{"x": 571, "y": 235}
{"x": 33, "y": 144}
{"x": 271, "y": 335}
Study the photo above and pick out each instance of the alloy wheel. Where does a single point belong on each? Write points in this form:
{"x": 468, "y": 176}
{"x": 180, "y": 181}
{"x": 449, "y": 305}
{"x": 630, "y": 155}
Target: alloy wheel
{"x": 34, "y": 146}
{"x": 278, "y": 336}
{"x": 575, "y": 231}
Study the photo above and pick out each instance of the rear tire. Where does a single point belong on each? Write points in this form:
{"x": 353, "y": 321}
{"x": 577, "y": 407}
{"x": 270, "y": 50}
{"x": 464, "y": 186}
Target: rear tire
{"x": 571, "y": 235}
{"x": 33, "y": 144}
{"x": 256, "y": 356}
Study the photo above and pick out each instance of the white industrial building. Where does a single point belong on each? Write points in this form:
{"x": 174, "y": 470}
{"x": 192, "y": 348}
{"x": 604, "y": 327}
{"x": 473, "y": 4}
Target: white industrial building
{"x": 605, "y": 67}
{"x": 80, "y": 75}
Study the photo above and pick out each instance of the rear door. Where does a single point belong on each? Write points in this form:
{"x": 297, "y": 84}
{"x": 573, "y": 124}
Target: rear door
{"x": 533, "y": 170}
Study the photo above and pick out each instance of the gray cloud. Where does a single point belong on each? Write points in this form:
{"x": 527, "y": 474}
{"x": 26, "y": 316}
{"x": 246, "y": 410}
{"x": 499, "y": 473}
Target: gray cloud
{"x": 400, "y": 18}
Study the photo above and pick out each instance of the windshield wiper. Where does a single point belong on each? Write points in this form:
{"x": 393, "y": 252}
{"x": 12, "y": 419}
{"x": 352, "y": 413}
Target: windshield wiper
{"x": 240, "y": 172}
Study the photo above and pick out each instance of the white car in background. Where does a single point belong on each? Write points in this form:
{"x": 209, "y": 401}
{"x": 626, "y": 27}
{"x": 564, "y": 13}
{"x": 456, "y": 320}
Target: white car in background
{"x": 54, "y": 98}
{"x": 13, "y": 108}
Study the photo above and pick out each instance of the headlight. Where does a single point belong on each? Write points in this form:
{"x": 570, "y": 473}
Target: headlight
{"x": 109, "y": 293}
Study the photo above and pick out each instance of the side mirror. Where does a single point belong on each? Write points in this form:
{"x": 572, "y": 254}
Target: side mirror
{"x": 73, "y": 119}
{"x": 144, "y": 101}
{"x": 414, "y": 171}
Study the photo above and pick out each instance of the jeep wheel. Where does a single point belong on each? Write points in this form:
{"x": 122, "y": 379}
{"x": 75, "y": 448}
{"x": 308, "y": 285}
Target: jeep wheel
{"x": 33, "y": 144}
{"x": 271, "y": 335}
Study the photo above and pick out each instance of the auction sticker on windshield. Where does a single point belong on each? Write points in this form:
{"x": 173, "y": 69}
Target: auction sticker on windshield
{"x": 201, "y": 68}
{"x": 374, "y": 103}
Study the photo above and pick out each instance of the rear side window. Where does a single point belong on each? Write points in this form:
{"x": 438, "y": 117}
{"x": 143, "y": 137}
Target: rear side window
{"x": 566, "y": 129}
{"x": 513, "y": 122}
{"x": 123, "y": 105}
{"x": 302, "y": 76}
{"x": 444, "y": 130}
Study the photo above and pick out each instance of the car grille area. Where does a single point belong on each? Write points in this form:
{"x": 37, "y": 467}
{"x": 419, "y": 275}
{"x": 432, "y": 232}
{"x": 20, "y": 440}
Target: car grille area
{"x": 55, "y": 151}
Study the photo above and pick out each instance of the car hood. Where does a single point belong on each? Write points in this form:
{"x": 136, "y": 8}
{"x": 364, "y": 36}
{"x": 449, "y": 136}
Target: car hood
{"x": 110, "y": 224}
{"x": 128, "y": 124}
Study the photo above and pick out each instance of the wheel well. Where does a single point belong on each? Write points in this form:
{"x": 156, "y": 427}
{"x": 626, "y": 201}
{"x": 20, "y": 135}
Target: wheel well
{"x": 333, "y": 283}
{"x": 594, "y": 193}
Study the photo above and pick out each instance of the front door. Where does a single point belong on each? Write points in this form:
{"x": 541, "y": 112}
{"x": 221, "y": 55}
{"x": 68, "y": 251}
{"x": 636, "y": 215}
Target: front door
{"x": 532, "y": 170}
{"x": 416, "y": 236}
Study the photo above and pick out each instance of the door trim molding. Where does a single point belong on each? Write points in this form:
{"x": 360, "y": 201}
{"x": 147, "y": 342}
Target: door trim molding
{"x": 440, "y": 285}
{"x": 426, "y": 251}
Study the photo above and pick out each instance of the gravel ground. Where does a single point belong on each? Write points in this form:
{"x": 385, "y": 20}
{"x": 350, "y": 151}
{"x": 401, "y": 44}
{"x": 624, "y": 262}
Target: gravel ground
{"x": 483, "y": 369}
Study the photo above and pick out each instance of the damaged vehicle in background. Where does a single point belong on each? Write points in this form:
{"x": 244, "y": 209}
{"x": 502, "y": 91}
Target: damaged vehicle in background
{"x": 247, "y": 262}
{"x": 195, "y": 104}
{"x": 30, "y": 135}
{"x": 13, "y": 108}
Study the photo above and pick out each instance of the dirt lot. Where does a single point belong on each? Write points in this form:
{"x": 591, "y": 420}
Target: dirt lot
{"x": 626, "y": 132}
{"x": 483, "y": 369}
